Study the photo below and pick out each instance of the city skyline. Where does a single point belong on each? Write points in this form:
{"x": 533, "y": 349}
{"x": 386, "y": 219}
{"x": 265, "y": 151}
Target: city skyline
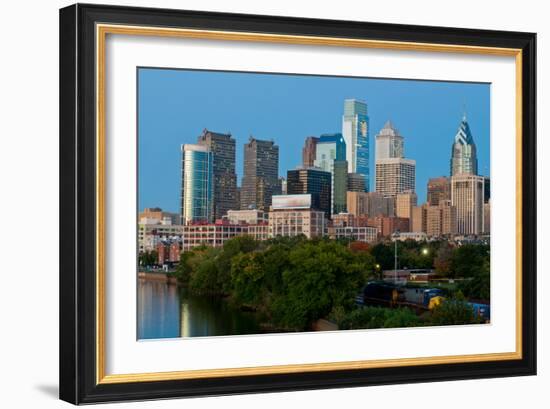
{"x": 424, "y": 140}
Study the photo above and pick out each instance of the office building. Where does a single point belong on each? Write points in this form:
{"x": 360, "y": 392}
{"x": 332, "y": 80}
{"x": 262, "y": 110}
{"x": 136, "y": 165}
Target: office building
{"x": 467, "y": 195}
{"x": 261, "y": 174}
{"x": 356, "y": 182}
{"x": 331, "y": 149}
{"x": 293, "y": 215}
{"x": 389, "y": 143}
{"x": 441, "y": 219}
{"x": 309, "y": 151}
{"x": 371, "y": 204}
{"x": 388, "y": 225}
{"x": 463, "y": 153}
{"x": 439, "y": 189}
{"x": 419, "y": 218}
{"x": 197, "y": 174}
{"x": 222, "y": 147}
{"x": 395, "y": 175}
{"x": 404, "y": 203}
{"x": 340, "y": 187}
{"x": 356, "y": 233}
{"x": 315, "y": 182}
{"x": 355, "y": 130}
{"x": 157, "y": 215}
{"x": 250, "y": 216}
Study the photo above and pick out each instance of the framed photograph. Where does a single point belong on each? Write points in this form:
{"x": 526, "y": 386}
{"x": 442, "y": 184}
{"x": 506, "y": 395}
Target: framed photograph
{"x": 257, "y": 203}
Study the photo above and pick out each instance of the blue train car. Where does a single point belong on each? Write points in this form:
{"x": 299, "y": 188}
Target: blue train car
{"x": 481, "y": 310}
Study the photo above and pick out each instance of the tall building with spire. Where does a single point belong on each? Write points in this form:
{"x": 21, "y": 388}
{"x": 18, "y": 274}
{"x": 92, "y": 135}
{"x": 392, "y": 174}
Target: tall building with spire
{"x": 394, "y": 173}
{"x": 463, "y": 153}
{"x": 355, "y": 129}
{"x": 389, "y": 143}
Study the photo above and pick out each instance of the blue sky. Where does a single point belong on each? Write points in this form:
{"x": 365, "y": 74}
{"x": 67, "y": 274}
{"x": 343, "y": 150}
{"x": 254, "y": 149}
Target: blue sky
{"x": 174, "y": 106}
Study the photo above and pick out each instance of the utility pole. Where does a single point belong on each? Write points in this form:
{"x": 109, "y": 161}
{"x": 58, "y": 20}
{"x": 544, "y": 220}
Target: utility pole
{"x": 395, "y": 236}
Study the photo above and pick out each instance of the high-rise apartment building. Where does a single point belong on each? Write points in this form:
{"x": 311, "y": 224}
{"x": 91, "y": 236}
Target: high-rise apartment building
{"x": 309, "y": 151}
{"x": 197, "y": 174}
{"x": 441, "y": 219}
{"x": 389, "y": 143}
{"x": 371, "y": 204}
{"x": 439, "y": 189}
{"x": 467, "y": 194}
{"x": 315, "y": 182}
{"x": 404, "y": 203}
{"x": 395, "y": 175}
{"x": 463, "y": 153}
{"x": 261, "y": 170}
{"x": 222, "y": 147}
{"x": 355, "y": 129}
{"x": 330, "y": 149}
{"x": 419, "y": 218}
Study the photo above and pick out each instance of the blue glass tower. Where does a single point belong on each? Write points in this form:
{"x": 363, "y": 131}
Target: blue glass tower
{"x": 355, "y": 129}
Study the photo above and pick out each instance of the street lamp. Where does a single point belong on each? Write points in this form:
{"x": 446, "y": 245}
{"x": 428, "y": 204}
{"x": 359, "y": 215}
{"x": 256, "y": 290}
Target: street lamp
{"x": 425, "y": 251}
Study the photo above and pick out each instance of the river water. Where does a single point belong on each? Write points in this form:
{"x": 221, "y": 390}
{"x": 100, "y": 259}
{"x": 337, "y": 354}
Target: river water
{"x": 168, "y": 311}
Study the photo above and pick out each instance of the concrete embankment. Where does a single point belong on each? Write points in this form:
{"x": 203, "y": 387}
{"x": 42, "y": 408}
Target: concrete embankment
{"x": 160, "y": 277}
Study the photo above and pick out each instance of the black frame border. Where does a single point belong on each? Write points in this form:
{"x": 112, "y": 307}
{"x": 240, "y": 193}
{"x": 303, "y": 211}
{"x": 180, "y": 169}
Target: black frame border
{"x": 78, "y": 197}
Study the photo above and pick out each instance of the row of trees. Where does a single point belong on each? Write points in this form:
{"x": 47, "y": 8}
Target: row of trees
{"x": 291, "y": 281}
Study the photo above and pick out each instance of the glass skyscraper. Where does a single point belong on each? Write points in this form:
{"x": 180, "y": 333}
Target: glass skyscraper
{"x": 463, "y": 153}
{"x": 355, "y": 129}
{"x": 331, "y": 148}
{"x": 197, "y": 175}
{"x": 315, "y": 182}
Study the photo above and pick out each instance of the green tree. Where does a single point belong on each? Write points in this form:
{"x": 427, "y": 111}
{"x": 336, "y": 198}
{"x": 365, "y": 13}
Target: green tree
{"x": 443, "y": 259}
{"x": 321, "y": 276}
{"x": 453, "y": 311}
{"x": 148, "y": 258}
{"x": 468, "y": 260}
{"x": 478, "y": 287}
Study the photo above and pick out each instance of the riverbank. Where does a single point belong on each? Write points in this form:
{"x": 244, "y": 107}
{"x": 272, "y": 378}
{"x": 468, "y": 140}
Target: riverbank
{"x": 161, "y": 277}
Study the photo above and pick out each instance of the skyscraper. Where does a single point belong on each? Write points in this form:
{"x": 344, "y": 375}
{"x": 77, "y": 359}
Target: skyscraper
{"x": 330, "y": 149}
{"x": 463, "y": 153}
{"x": 261, "y": 171}
{"x": 339, "y": 186}
{"x": 467, "y": 193}
{"x": 389, "y": 143}
{"x": 439, "y": 189}
{"x": 394, "y": 173}
{"x": 197, "y": 175}
{"x": 355, "y": 129}
{"x": 315, "y": 182}
{"x": 356, "y": 182}
{"x": 404, "y": 203}
{"x": 309, "y": 151}
{"x": 222, "y": 147}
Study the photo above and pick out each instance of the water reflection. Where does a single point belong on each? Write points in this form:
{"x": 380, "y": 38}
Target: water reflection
{"x": 165, "y": 311}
